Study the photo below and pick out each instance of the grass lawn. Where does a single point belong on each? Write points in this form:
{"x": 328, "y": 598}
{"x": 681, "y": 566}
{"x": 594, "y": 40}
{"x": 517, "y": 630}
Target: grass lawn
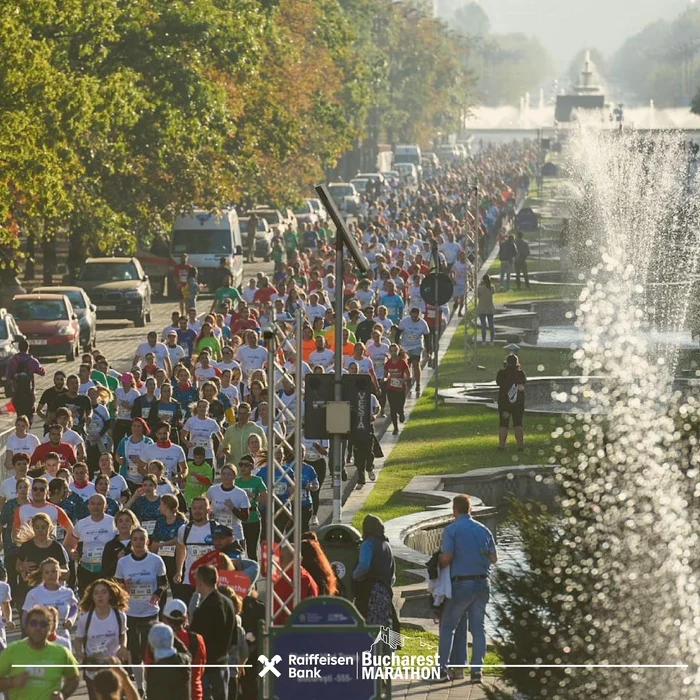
{"x": 420, "y": 643}
{"x": 457, "y": 438}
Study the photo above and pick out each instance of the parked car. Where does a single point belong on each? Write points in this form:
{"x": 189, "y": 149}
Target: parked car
{"x": 118, "y": 287}
{"x": 373, "y": 177}
{"x": 345, "y": 196}
{"x": 49, "y": 323}
{"x": 10, "y": 335}
{"x": 159, "y": 267}
{"x": 360, "y": 184}
{"x": 306, "y": 213}
{"x": 320, "y": 210}
{"x": 407, "y": 172}
{"x": 83, "y": 307}
{"x": 263, "y": 236}
{"x": 392, "y": 177}
{"x": 448, "y": 153}
{"x": 276, "y": 218}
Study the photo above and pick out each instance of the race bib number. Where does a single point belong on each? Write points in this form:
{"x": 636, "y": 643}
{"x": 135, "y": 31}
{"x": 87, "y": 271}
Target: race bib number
{"x": 396, "y": 383}
{"x": 123, "y": 413}
{"x": 93, "y": 555}
{"x": 280, "y": 489}
{"x": 167, "y": 550}
{"x": 199, "y": 550}
{"x": 225, "y": 518}
{"x": 133, "y": 469}
{"x": 99, "y": 648}
{"x": 140, "y": 591}
{"x": 149, "y": 526}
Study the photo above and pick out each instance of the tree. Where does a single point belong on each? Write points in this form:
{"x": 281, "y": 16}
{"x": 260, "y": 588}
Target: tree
{"x": 471, "y": 20}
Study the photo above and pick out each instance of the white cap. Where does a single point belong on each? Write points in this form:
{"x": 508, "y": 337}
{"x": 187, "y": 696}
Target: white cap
{"x": 175, "y": 608}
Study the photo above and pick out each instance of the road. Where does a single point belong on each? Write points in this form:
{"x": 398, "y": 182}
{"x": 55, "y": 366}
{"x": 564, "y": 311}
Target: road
{"x": 118, "y": 340}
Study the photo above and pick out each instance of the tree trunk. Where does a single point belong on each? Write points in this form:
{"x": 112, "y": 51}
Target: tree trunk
{"x": 30, "y": 267}
{"x": 49, "y": 251}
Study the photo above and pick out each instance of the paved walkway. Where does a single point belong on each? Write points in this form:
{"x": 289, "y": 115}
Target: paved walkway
{"x": 454, "y": 690}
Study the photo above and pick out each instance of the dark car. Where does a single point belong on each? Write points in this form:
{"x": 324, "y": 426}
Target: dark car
{"x": 85, "y": 310}
{"x": 118, "y": 287}
{"x": 10, "y": 335}
{"x": 49, "y": 324}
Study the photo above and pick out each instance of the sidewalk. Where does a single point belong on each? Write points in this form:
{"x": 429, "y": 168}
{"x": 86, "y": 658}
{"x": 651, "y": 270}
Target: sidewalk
{"x": 455, "y": 690}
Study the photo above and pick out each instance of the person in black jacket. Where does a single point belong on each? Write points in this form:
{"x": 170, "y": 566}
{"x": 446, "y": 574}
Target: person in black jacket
{"x": 125, "y": 522}
{"x": 163, "y": 682}
{"x": 511, "y": 401}
{"x": 215, "y": 620}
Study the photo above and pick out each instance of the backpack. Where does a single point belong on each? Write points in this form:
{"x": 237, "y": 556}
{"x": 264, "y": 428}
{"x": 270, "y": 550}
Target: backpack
{"x": 22, "y": 379}
{"x": 190, "y": 525}
{"x": 89, "y": 620}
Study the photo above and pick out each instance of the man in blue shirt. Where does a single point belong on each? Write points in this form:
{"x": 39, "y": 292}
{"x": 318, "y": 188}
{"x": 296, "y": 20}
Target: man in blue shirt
{"x": 469, "y": 549}
{"x": 185, "y": 339}
{"x": 393, "y": 303}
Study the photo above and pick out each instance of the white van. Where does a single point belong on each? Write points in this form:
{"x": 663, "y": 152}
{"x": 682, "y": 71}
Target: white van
{"x": 409, "y": 153}
{"x": 207, "y": 238}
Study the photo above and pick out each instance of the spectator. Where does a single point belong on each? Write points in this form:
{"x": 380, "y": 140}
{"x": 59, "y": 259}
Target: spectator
{"x": 168, "y": 682}
{"x": 523, "y": 253}
{"x": 468, "y": 548}
{"x": 485, "y": 308}
{"x": 215, "y": 621}
{"x": 511, "y": 401}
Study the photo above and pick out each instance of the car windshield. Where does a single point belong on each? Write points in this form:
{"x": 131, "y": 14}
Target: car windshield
{"x": 305, "y": 208}
{"x": 202, "y": 242}
{"x": 360, "y": 185}
{"x": 341, "y": 190}
{"x": 261, "y": 225}
{"x": 39, "y": 310}
{"x": 108, "y": 272}
{"x": 406, "y": 158}
{"x": 272, "y": 217}
{"x": 76, "y": 298}
{"x": 316, "y": 205}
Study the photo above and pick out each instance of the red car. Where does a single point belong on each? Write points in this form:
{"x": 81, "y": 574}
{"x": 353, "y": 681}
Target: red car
{"x": 49, "y": 324}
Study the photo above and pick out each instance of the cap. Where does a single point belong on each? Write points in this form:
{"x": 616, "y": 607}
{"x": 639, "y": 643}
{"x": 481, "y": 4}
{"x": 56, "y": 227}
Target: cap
{"x": 223, "y": 531}
{"x": 172, "y": 333}
{"x": 161, "y": 637}
{"x": 127, "y": 378}
{"x": 175, "y": 608}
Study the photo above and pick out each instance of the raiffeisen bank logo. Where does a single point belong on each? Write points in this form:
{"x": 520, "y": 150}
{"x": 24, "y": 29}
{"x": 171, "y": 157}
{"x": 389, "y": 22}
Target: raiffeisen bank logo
{"x": 375, "y": 666}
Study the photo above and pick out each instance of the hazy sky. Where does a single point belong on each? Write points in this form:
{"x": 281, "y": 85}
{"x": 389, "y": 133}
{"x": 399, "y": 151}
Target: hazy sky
{"x": 565, "y": 26}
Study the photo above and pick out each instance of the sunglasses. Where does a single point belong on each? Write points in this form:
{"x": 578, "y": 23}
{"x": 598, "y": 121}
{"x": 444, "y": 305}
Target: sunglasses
{"x": 43, "y": 624}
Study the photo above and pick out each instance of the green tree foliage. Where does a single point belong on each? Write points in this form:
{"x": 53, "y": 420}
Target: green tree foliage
{"x": 117, "y": 114}
{"x": 661, "y": 62}
{"x": 471, "y": 20}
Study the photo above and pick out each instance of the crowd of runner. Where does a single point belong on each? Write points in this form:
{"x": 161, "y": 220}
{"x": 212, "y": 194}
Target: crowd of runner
{"x": 128, "y": 493}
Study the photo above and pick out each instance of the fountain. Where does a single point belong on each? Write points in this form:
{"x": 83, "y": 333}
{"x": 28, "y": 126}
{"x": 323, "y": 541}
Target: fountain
{"x": 617, "y": 582}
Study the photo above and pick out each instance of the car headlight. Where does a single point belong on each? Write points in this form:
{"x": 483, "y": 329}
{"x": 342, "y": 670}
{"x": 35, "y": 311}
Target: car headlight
{"x": 64, "y": 330}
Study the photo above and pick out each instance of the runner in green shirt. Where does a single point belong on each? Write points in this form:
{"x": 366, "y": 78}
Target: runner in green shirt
{"x": 291, "y": 242}
{"x": 228, "y": 291}
{"x": 199, "y": 477}
{"x": 256, "y": 489}
{"x": 31, "y": 669}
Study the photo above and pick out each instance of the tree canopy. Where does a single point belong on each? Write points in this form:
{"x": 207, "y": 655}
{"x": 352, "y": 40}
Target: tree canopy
{"x": 115, "y": 115}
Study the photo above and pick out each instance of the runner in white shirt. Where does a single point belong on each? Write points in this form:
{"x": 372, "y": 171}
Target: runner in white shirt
{"x": 249, "y": 291}
{"x": 6, "y": 617}
{"x": 199, "y": 431}
{"x": 229, "y": 390}
{"x": 142, "y": 574}
{"x": 94, "y": 532}
{"x": 21, "y": 441}
{"x": 176, "y": 352}
{"x": 101, "y": 632}
{"x": 313, "y": 309}
{"x": 321, "y": 356}
{"x": 251, "y": 356}
{"x": 378, "y": 350}
{"x": 195, "y": 539}
{"x": 81, "y": 484}
{"x": 8, "y": 488}
{"x": 227, "y": 361}
{"x": 159, "y": 351}
{"x": 72, "y": 438}
{"x": 412, "y": 329}
{"x": 229, "y": 503}
{"x": 172, "y": 456}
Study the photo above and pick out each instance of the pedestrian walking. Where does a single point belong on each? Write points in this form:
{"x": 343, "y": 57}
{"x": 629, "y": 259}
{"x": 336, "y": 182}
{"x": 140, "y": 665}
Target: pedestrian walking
{"x": 485, "y": 308}
{"x": 522, "y": 248}
{"x": 469, "y": 549}
{"x": 507, "y": 255}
